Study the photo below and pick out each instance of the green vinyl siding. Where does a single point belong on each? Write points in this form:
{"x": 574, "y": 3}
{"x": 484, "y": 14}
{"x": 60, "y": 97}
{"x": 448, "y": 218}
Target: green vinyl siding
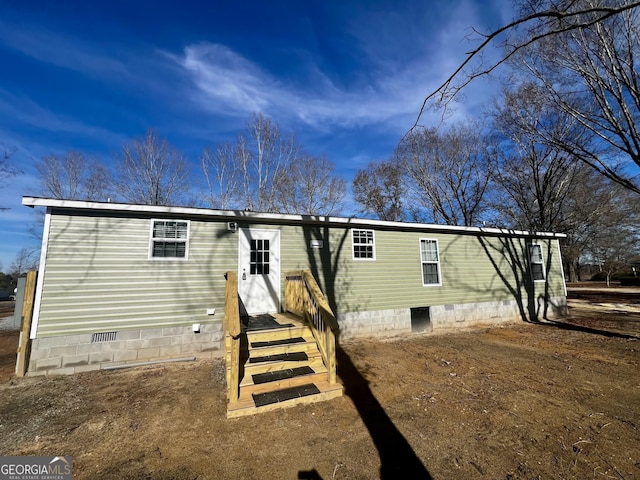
{"x": 99, "y": 277}
{"x": 472, "y": 268}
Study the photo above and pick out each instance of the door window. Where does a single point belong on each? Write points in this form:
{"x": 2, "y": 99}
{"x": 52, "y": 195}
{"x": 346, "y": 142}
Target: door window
{"x": 259, "y": 261}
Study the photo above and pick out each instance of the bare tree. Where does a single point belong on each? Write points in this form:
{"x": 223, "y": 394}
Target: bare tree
{"x": 222, "y": 175}
{"x": 246, "y": 174}
{"x": 447, "y": 172}
{"x": 74, "y": 177}
{"x": 26, "y": 259}
{"x": 597, "y": 213}
{"x": 379, "y": 190}
{"x": 151, "y": 172}
{"x": 7, "y": 171}
{"x": 539, "y": 19}
{"x": 585, "y": 53}
{"x": 613, "y": 256}
{"x": 541, "y": 187}
{"x": 266, "y": 171}
{"x": 263, "y": 154}
{"x": 592, "y": 76}
{"x": 535, "y": 177}
{"x": 309, "y": 186}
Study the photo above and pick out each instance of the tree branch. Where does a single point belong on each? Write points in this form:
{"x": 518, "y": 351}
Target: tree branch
{"x": 446, "y": 92}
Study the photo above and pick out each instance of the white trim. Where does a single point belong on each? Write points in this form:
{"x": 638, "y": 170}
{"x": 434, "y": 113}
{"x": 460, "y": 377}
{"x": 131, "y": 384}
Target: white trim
{"x": 438, "y": 263}
{"x": 186, "y": 241}
{"x": 238, "y": 215}
{"x": 40, "y": 280}
{"x": 564, "y": 280}
{"x": 353, "y": 253}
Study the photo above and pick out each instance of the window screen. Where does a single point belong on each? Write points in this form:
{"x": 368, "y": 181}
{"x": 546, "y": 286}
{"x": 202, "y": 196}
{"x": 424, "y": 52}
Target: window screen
{"x": 169, "y": 239}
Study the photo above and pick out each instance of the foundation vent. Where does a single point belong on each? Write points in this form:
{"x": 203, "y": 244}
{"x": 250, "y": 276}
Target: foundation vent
{"x": 103, "y": 337}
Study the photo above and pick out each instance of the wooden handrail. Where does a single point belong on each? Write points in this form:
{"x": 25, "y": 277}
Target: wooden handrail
{"x": 323, "y": 305}
{"x": 232, "y": 331}
{"x": 303, "y": 297}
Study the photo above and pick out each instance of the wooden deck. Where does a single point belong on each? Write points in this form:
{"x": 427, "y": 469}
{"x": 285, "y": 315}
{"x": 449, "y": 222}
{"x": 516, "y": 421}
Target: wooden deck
{"x": 285, "y": 318}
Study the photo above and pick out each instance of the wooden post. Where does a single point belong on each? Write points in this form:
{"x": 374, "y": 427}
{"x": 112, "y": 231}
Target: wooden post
{"x": 24, "y": 342}
{"x": 232, "y": 332}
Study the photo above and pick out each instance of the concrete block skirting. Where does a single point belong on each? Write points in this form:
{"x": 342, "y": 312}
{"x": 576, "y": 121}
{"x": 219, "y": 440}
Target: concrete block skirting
{"x": 376, "y": 323}
{"x": 76, "y": 353}
{"x": 398, "y": 321}
{"x": 67, "y": 354}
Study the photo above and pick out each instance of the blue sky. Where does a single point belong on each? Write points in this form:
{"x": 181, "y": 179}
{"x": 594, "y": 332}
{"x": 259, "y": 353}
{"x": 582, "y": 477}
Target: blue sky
{"x": 348, "y": 77}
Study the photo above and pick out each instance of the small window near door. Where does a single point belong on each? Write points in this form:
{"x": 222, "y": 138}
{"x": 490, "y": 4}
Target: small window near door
{"x": 169, "y": 240}
{"x": 259, "y": 257}
{"x": 536, "y": 261}
{"x": 364, "y": 245}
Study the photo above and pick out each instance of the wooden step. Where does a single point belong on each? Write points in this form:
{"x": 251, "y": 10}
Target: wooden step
{"x": 273, "y": 379}
{"x": 306, "y": 347}
{"x": 246, "y": 404}
{"x": 273, "y": 343}
{"x": 312, "y": 360}
{"x": 279, "y": 334}
{"x": 284, "y": 357}
{"x": 247, "y": 386}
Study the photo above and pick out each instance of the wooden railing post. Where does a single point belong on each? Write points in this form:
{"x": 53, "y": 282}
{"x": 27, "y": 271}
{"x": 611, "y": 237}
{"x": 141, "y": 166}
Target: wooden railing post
{"x": 24, "y": 341}
{"x": 232, "y": 332}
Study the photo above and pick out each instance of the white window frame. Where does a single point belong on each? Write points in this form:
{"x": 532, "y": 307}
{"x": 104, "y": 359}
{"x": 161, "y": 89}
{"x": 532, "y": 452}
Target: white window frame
{"x": 372, "y": 244}
{"x": 530, "y": 249}
{"x": 186, "y": 241}
{"x": 424, "y": 262}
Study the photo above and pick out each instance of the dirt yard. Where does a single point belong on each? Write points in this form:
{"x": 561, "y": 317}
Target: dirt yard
{"x": 555, "y": 401}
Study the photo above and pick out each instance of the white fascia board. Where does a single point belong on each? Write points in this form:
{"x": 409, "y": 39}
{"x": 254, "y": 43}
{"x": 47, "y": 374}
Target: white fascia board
{"x": 238, "y": 215}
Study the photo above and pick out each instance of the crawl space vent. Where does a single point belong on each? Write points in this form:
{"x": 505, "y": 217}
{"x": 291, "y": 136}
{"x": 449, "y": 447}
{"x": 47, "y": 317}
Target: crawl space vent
{"x": 103, "y": 337}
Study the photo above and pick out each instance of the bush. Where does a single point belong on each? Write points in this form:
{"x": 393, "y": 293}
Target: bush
{"x": 630, "y": 281}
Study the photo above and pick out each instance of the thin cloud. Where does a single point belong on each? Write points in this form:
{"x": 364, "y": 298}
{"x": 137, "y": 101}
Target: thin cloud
{"x": 394, "y": 79}
{"x": 22, "y": 110}
{"x": 227, "y": 81}
{"x": 125, "y": 67}
{"x": 60, "y": 50}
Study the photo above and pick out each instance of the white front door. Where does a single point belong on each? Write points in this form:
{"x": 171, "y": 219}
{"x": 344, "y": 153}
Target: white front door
{"x": 259, "y": 270}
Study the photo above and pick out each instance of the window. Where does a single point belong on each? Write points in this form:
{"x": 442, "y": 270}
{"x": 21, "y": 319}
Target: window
{"x": 259, "y": 261}
{"x": 430, "y": 262}
{"x": 536, "y": 262}
{"x": 169, "y": 239}
{"x": 364, "y": 246}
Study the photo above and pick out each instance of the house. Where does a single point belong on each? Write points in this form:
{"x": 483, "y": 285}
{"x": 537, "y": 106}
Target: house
{"x": 122, "y": 284}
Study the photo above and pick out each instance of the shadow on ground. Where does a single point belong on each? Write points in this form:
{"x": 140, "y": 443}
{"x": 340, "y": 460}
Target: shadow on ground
{"x": 582, "y": 328}
{"x": 397, "y": 458}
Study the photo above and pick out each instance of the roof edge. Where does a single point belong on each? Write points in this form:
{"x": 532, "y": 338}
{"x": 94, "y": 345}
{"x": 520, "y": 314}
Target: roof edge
{"x": 279, "y": 217}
